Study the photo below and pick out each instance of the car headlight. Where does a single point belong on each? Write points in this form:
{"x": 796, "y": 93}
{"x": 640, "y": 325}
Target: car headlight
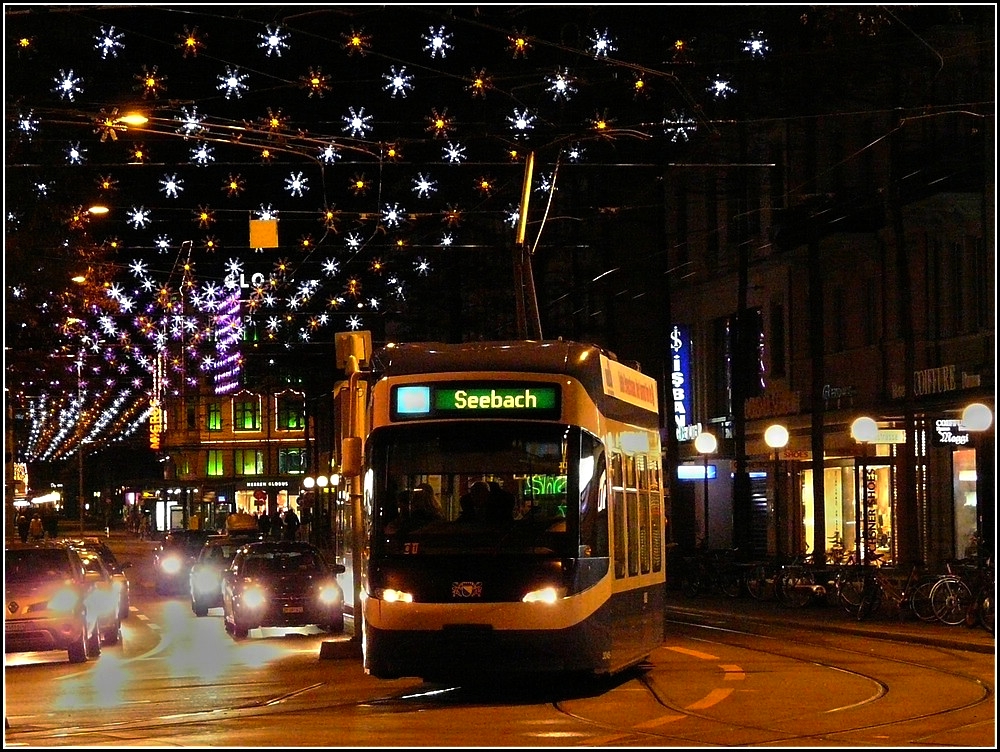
{"x": 253, "y": 597}
{"x": 101, "y": 602}
{"x": 544, "y": 595}
{"x": 171, "y": 565}
{"x": 64, "y": 600}
{"x": 330, "y": 594}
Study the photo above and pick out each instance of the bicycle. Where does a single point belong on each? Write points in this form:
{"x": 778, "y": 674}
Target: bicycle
{"x": 951, "y": 597}
{"x": 878, "y": 589}
{"x": 796, "y": 584}
{"x": 712, "y": 570}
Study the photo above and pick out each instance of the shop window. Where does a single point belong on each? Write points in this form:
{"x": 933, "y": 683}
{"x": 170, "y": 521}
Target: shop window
{"x": 964, "y": 495}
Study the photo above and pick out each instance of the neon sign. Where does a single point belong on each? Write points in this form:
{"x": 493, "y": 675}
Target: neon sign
{"x": 680, "y": 377}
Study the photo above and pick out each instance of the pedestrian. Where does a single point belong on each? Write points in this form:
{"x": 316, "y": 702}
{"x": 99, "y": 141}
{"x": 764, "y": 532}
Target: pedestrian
{"x": 291, "y": 522}
{"x": 277, "y": 524}
{"x": 23, "y": 526}
{"x": 263, "y": 524}
{"x": 35, "y": 529}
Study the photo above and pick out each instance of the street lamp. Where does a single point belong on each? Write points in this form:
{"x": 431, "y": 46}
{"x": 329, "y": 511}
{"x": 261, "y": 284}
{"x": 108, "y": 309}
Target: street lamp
{"x": 776, "y": 437}
{"x": 79, "y": 451}
{"x": 864, "y": 430}
{"x": 705, "y": 444}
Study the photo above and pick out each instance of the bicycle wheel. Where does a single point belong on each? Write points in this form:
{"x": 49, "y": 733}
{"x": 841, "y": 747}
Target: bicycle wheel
{"x": 871, "y": 598}
{"x": 987, "y": 604}
{"x": 951, "y": 599}
{"x": 920, "y": 599}
{"x": 692, "y": 580}
{"x": 760, "y": 582}
{"x": 795, "y": 587}
{"x": 730, "y": 580}
{"x": 850, "y": 583}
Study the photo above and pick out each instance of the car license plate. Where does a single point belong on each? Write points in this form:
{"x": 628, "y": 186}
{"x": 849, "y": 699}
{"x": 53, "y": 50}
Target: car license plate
{"x": 293, "y": 609}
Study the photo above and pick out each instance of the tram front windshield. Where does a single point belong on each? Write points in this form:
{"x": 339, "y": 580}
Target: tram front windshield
{"x": 482, "y": 487}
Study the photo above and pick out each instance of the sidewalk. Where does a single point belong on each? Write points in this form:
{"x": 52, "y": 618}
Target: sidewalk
{"x": 823, "y": 616}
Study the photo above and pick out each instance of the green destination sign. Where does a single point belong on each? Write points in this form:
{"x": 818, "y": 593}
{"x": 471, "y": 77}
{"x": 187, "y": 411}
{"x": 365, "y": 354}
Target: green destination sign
{"x": 475, "y": 400}
{"x": 528, "y": 398}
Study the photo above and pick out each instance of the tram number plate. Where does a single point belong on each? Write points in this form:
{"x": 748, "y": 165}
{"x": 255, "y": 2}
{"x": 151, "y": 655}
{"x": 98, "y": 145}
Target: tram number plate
{"x": 293, "y": 609}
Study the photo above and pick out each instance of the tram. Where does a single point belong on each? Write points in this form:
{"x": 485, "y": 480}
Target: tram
{"x": 512, "y": 511}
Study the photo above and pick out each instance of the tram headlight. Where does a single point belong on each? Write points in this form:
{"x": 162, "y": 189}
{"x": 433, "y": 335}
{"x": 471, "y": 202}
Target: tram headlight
{"x": 544, "y": 595}
{"x": 390, "y": 595}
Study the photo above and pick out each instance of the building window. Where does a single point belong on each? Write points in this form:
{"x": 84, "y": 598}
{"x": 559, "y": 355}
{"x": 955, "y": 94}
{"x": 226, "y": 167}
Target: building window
{"x": 214, "y": 462}
{"x": 213, "y": 420}
{"x": 291, "y": 412}
{"x": 191, "y": 415}
{"x": 249, "y": 462}
{"x": 291, "y": 461}
{"x": 246, "y": 414}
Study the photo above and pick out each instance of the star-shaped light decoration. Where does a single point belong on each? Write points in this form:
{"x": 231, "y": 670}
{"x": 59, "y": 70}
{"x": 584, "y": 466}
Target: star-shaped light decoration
{"x": 423, "y": 186}
{"x": 266, "y": 155}
{"x": 202, "y": 154}
{"x": 109, "y": 124}
{"x": 359, "y": 185}
{"x": 601, "y": 123}
{"x": 393, "y": 214}
{"x": 640, "y": 87}
{"x": 274, "y": 123}
{"x": 678, "y": 126}
{"x": 519, "y": 43}
{"x": 437, "y": 42}
{"x": 171, "y": 185}
{"x": 356, "y": 42}
{"x": 267, "y": 212}
{"x": 575, "y": 153}
{"x": 274, "y": 40}
{"x": 27, "y": 124}
{"x": 108, "y": 42}
{"x": 205, "y": 217}
{"x": 306, "y": 243}
{"x": 330, "y": 218}
{"x": 192, "y": 123}
{"x": 353, "y": 241}
{"x": 150, "y": 83}
{"x": 210, "y": 244}
{"x": 107, "y": 184}
{"x": 296, "y": 185}
{"x": 78, "y": 218}
{"x": 137, "y": 217}
{"x": 422, "y": 266}
{"x": 756, "y": 45}
{"x": 42, "y": 188}
{"x": 68, "y": 85}
{"x": 391, "y": 152}
{"x": 480, "y": 83}
{"x": 452, "y": 216}
{"x": 329, "y": 154}
{"x": 357, "y": 123}
{"x": 76, "y": 154}
{"x": 521, "y": 122}
{"x": 681, "y": 50}
{"x": 439, "y": 123}
{"x": 601, "y": 44}
{"x": 561, "y": 85}
{"x": 316, "y": 83}
{"x": 137, "y": 154}
{"x": 233, "y": 83}
{"x": 446, "y": 240}
{"x": 330, "y": 267}
{"x": 546, "y": 183}
{"x": 162, "y": 243}
{"x": 720, "y": 88}
{"x": 234, "y": 186}
{"x": 513, "y": 215}
{"x": 190, "y": 42}
{"x": 454, "y": 153}
{"x": 485, "y": 185}
{"x": 398, "y": 82}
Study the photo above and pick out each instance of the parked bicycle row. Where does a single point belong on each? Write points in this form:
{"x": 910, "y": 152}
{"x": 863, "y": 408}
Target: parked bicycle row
{"x": 963, "y": 594}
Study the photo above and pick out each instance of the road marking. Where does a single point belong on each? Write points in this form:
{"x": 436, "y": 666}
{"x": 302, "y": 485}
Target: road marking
{"x": 733, "y": 672}
{"x": 712, "y": 698}
{"x": 695, "y": 653}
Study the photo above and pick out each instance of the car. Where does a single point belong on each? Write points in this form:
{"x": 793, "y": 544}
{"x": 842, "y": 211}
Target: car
{"x": 174, "y": 557}
{"x": 281, "y": 584}
{"x": 103, "y": 597}
{"x": 206, "y": 573}
{"x": 47, "y": 603}
{"x": 117, "y": 569}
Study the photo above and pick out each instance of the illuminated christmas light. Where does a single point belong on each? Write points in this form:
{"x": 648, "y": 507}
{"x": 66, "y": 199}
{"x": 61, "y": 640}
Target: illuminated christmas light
{"x": 561, "y": 85}
{"x": 68, "y": 85}
{"x": 437, "y": 42}
{"x": 521, "y": 122}
{"x": 331, "y": 267}
{"x": 205, "y": 217}
{"x": 601, "y": 122}
{"x": 233, "y": 83}
{"x": 108, "y": 42}
{"x": 150, "y": 84}
{"x": 756, "y": 45}
{"x": 316, "y": 83}
{"x": 171, "y": 185}
{"x": 398, "y": 82}
{"x": 267, "y": 212}
{"x": 191, "y": 123}
{"x": 720, "y": 88}
{"x": 210, "y": 244}
{"x": 234, "y": 186}
{"x": 392, "y": 214}
{"x": 137, "y": 154}
{"x": 306, "y": 243}
{"x": 422, "y": 266}
{"x": 454, "y": 153}
{"x": 353, "y": 241}
{"x": 274, "y": 40}
{"x": 329, "y": 154}
{"x": 452, "y": 216}
{"x": 357, "y": 123}
{"x": 274, "y": 122}
{"x": 484, "y": 185}
{"x": 480, "y": 83}
{"x": 76, "y": 154}
{"x": 202, "y": 154}
{"x": 356, "y": 42}
{"x": 358, "y": 185}
{"x": 513, "y": 215}
{"x": 520, "y": 43}
{"x": 678, "y": 126}
{"x": 138, "y": 217}
{"x": 330, "y": 218}
{"x": 446, "y": 240}
{"x": 575, "y": 153}
{"x": 424, "y": 186}
{"x": 392, "y": 152}
{"x": 162, "y": 243}
{"x": 601, "y": 44}
{"x": 296, "y": 185}
{"x": 27, "y": 124}
{"x": 191, "y": 42}
{"x": 439, "y": 123}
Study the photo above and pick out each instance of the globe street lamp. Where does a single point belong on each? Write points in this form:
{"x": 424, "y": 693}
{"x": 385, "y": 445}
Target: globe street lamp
{"x": 864, "y": 430}
{"x": 776, "y": 437}
{"x": 705, "y": 444}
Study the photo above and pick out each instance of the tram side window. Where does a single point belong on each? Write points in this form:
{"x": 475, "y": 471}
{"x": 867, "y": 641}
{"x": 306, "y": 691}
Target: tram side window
{"x": 618, "y": 512}
{"x": 594, "y": 509}
{"x": 655, "y": 512}
{"x": 632, "y": 507}
{"x": 642, "y": 471}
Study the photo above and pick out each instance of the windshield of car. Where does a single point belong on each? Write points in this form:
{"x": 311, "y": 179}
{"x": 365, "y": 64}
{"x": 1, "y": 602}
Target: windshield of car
{"x": 282, "y": 562}
{"x": 36, "y": 565}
